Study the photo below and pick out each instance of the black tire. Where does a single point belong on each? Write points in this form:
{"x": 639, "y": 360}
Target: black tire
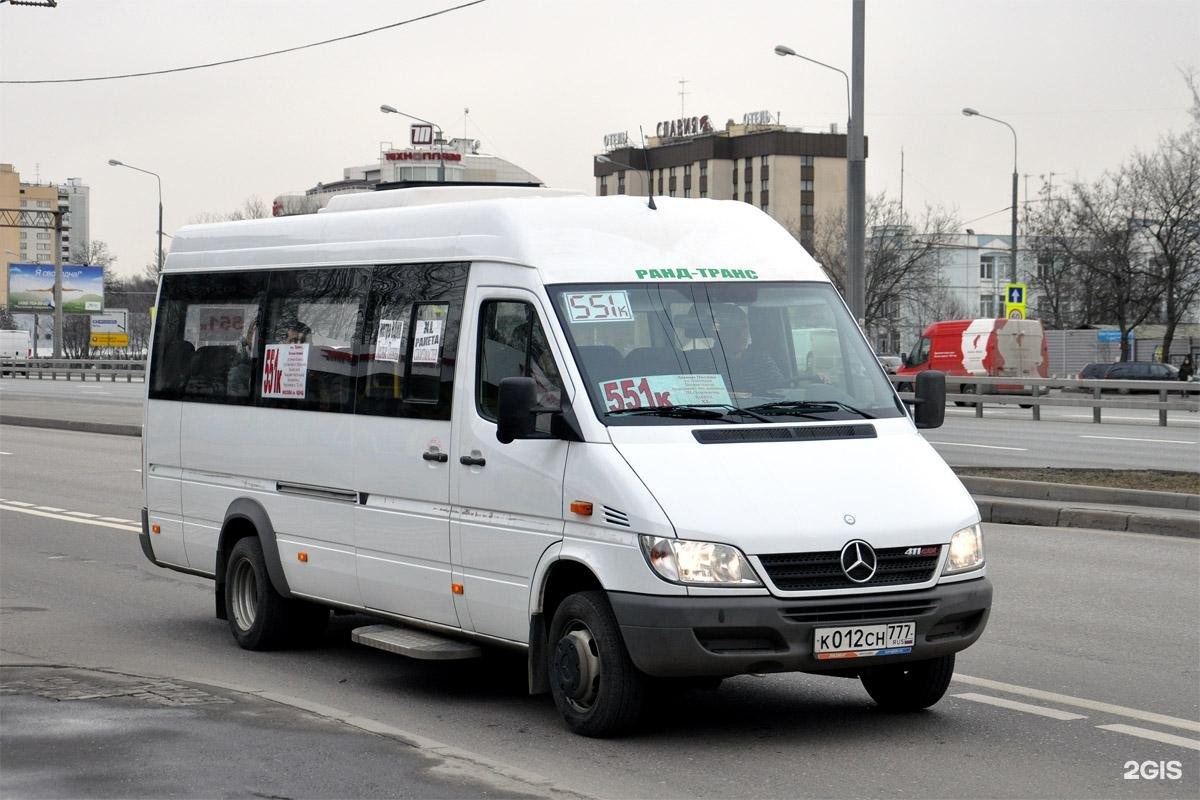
{"x": 911, "y": 686}
{"x": 965, "y": 390}
{"x": 259, "y": 617}
{"x": 597, "y": 689}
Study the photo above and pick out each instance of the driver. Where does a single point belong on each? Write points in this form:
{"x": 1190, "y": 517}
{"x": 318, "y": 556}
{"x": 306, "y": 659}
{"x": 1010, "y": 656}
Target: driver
{"x": 751, "y": 371}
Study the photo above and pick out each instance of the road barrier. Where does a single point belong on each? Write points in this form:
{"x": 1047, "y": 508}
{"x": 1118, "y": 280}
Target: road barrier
{"x": 1093, "y": 394}
{"x": 68, "y": 368}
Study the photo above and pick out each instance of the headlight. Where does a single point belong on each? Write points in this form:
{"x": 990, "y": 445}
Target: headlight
{"x": 966, "y": 551}
{"x": 683, "y": 561}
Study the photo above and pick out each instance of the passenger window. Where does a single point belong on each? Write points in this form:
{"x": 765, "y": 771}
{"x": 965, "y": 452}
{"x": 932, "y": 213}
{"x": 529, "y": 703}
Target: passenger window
{"x": 513, "y": 344}
{"x": 921, "y": 353}
{"x": 205, "y": 341}
{"x": 311, "y": 324}
{"x": 410, "y": 340}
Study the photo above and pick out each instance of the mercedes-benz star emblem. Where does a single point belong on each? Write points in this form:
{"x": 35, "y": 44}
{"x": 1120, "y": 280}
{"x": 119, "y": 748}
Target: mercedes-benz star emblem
{"x": 849, "y": 519}
{"x": 858, "y": 561}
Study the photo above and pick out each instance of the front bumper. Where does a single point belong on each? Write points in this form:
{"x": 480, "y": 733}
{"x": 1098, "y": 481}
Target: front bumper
{"x": 693, "y": 636}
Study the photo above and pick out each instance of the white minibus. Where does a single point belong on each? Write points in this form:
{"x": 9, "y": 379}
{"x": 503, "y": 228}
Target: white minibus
{"x": 575, "y": 426}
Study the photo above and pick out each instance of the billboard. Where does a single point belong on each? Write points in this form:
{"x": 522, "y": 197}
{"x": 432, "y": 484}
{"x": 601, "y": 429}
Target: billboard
{"x": 31, "y": 288}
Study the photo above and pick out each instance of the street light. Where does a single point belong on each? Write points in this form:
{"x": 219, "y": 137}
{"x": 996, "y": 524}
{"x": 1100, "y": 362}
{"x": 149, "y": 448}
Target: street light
{"x": 114, "y": 163}
{"x": 856, "y": 201}
{"x": 645, "y": 179}
{"x": 440, "y": 139}
{"x": 970, "y": 112}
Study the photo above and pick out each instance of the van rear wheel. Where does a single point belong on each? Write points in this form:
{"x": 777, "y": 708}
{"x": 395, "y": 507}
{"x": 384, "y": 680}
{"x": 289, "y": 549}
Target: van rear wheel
{"x": 259, "y": 617}
{"x": 597, "y": 689}
{"x": 965, "y": 390}
{"x": 911, "y": 686}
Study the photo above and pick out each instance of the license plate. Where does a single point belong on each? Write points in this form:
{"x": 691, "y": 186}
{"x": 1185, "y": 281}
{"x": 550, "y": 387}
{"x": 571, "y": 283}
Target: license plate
{"x": 885, "y": 639}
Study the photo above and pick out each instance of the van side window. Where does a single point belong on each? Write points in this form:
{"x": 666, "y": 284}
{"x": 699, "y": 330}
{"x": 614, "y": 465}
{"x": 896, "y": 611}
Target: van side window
{"x": 205, "y": 338}
{"x": 513, "y": 344}
{"x": 410, "y": 340}
{"x": 310, "y": 325}
{"x": 920, "y": 353}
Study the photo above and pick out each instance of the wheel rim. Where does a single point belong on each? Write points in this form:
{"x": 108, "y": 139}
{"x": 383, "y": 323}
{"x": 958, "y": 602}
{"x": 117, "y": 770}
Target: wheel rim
{"x": 244, "y": 593}
{"x": 577, "y": 666}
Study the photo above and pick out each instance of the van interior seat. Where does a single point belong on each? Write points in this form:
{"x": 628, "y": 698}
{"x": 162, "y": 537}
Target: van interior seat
{"x": 210, "y": 370}
{"x": 601, "y": 362}
{"x": 644, "y": 361}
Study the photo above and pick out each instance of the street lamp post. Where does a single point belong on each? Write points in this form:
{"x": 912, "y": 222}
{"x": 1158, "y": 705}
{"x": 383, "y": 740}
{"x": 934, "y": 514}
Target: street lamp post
{"x": 114, "y": 163}
{"x": 970, "y": 112}
{"x": 855, "y": 167}
{"x": 440, "y": 138}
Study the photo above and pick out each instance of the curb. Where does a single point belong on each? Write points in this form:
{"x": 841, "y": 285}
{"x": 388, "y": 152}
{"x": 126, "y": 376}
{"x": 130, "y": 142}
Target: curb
{"x": 1018, "y": 511}
{"x": 111, "y": 428}
{"x": 1070, "y": 492}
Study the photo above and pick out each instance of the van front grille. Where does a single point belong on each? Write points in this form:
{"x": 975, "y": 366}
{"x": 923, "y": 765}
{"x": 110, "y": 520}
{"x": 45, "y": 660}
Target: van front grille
{"x": 803, "y": 572}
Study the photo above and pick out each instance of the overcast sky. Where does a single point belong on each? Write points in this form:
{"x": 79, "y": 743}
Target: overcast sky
{"x": 1083, "y": 82}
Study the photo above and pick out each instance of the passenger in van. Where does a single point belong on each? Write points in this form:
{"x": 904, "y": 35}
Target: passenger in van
{"x": 297, "y": 332}
{"x": 751, "y": 371}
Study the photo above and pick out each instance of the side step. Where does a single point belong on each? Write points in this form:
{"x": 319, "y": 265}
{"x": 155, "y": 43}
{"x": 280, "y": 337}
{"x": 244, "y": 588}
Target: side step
{"x": 414, "y": 643}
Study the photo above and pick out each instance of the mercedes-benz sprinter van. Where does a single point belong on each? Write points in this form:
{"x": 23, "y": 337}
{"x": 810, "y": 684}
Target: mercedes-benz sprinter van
{"x": 576, "y": 426}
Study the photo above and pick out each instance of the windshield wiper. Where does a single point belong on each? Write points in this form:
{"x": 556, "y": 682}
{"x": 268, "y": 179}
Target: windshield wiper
{"x": 806, "y": 408}
{"x": 691, "y": 412}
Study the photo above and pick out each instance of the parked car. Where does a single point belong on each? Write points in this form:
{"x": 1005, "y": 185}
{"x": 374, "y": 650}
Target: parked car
{"x": 1129, "y": 371}
{"x": 890, "y": 363}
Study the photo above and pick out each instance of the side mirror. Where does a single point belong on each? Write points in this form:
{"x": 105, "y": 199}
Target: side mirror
{"x": 904, "y": 359}
{"x": 929, "y": 403}
{"x": 515, "y": 417}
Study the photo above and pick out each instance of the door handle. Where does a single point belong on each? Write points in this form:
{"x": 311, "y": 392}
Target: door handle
{"x": 433, "y": 455}
{"x": 471, "y": 461}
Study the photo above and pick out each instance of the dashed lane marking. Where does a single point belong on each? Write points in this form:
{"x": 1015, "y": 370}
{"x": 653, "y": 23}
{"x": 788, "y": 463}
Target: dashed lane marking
{"x": 984, "y": 446}
{"x": 1014, "y": 705}
{"x": 1080, "y": 702}
{"x": 1131, "y": 439}
{"x": 110, "y": 523}
{"x": 1144, "y": 733}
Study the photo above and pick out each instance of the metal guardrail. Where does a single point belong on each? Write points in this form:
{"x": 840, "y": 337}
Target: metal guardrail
{"x": 84, "y": 368}
{"x": 1093, "y": 394}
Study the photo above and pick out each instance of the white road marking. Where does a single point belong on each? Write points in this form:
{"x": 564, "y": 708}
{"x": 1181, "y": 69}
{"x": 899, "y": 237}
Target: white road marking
{"x": 18, "y": 503}
{"x": 2, "y": 453}
{"x": 135, "y": 469}
{"x": 1144, "y": 733}
{"x": 1080, "y": 702}
{"x": 50, "y": 508}
{"x": 80, "y": 520}
{"x": 117, "y": 519}
{"x": 1130, "y": 439}
{"x": 1017, "y": 706}
{"x": 985, "y": 446}
{"x": 82, "y": 514}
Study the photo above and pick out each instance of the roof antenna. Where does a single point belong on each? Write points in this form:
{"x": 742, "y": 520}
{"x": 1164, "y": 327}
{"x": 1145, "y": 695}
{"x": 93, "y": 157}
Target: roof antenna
{"x": 649, "y": 174}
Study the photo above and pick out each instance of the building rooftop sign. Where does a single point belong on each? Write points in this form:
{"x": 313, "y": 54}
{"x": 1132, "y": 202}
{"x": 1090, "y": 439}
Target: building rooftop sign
{"x": 615, "y": 141}
{"x": 686, "y": 126}
{"x": 758, "y": 118}
{"x": 421, "y": 155}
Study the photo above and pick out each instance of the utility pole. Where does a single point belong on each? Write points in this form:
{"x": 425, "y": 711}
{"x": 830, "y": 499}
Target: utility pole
{"x": 856, "y": 172}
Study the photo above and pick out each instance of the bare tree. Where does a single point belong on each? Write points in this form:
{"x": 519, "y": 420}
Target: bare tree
{"x": 904, "y": 258}
{"x": 1166, "y": 184}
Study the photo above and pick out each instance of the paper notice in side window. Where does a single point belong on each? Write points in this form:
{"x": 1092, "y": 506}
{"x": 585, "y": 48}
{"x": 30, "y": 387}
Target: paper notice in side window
{"x": 427, "y": 341}
{"x": 389, "y": 345}
{"x": 657, "y": 391}
{"x": 285, "y": 370}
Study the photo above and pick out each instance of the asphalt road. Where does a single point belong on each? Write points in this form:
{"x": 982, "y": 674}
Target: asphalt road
{"x": 1005, "y": 437}
{"x": 1091, "y": 661}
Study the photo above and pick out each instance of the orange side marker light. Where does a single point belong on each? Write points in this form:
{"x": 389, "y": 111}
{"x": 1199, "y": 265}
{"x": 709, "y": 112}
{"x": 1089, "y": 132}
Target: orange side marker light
{"x": 581, "y": 507}
{"x": 457, "y": 588}
{"x": 156, "y": 528}
{"x": 302, "y": 557}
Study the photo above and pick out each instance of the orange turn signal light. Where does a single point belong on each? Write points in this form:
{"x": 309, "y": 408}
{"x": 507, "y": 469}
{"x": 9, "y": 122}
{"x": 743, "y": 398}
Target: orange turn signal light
{"x": 156, "y": 529}
{"x": 581, "y": 507}
{"x": 302, "y": 557}
{"x": 457, "y": 588}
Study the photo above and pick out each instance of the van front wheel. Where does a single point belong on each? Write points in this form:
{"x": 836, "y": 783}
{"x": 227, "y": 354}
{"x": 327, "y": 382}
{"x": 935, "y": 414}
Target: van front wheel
{"x": 911, "y": 686}
{"x": 597, "y": 689}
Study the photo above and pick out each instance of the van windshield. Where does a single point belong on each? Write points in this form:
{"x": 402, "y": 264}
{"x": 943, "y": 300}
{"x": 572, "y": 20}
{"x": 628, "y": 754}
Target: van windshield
{"x": 721, "y": 352}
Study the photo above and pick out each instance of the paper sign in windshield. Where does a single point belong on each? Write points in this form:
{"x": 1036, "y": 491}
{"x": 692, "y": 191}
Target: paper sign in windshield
{"x": 285, "y": 368}
{"x": 389, "y": 344}
{"x": 660, "y": 391}
{"x": 599, "y": 306}
{"x": 427, "y": 341}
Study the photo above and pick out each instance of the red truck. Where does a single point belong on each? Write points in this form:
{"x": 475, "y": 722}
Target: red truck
{"x": 995, "y": 348}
